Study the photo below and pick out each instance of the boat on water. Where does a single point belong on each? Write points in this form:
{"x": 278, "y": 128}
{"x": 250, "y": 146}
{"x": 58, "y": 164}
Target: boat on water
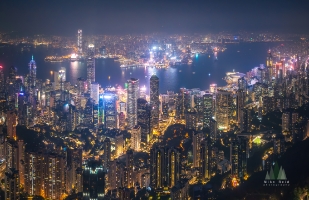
{"x": 193, "y": 72}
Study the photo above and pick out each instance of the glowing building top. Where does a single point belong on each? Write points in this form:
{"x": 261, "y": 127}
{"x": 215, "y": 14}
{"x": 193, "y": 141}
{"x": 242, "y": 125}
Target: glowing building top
{"x": 32, "y": 72}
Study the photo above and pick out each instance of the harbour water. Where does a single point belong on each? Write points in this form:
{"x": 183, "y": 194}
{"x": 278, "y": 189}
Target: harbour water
{"x": 205, "y": 69}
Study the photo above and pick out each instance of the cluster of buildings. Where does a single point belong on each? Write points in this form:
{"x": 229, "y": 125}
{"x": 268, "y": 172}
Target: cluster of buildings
{"x": 128, "y": 122}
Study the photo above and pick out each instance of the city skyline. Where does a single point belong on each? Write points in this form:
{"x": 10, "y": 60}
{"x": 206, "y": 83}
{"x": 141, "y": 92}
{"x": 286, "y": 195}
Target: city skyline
{"x": 133, "y": 100}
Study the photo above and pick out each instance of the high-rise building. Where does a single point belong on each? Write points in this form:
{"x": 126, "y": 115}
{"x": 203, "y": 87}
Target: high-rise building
{"x": 129, "y": 179}
{"x": 95, "y": 92}
{"x": 285, "y": 122}
{"x": 32, "y": 72}
{"x": 93, "y": 181}
{"x": 143, "y": 120}
{"x": 197, "y": 139}
{"x": 80, "y": 41}
{"x": 240, "y": 103}
{"x": 110, "y": 111}
{"x": 222, "y": 109}
{"x": 234, "y": 157}
{"x": 243, "y": 155}
{"x": 62, "y": 77}
{"x": 11, "y": 124}
{"x": 164, "y": 167}
{"x": 205, "y": 160}
{"x": 90, "y": 66}
{"x": 191, "y": 117}
{"x": 119, "y": 142}
{"x": 34, "y": 173}
{"x": 11, "y": 174}
{"x": 154, "y": 101}
{"x": 269, "y": 65}
{"x": 88, "y": 113}
{"x": 132, "y": 96}
{"x": 136, "y": 138}
{"x": 54, "y": 180}
{"x": 106, "y": 157}
{"x": 207, "y": 109}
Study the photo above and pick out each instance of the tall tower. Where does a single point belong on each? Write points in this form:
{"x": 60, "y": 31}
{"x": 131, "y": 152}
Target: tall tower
{"x": 132, "y": 96}
{"x": 32, "y": 74}
{"x": 240, "y": 103}
{"x": 129, "y": 166}
{"x": 11, "y": 124}
{"x": 197, "y": 138}
{"x": 154, "y": 100}
{"x": 90, "y": 66}
{"x": 143, "y": 120}
{"x": 136, "y": 138}
{"x": 269, "y": 65}
{"x": 2, "y": 83}
{"x": 107, "y": 153}
{"x": 207, "y": 109}
{"x": 80, "y": 41}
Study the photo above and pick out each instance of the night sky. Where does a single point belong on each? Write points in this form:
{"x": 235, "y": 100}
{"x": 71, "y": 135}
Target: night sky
{"x": 146, "y": 16}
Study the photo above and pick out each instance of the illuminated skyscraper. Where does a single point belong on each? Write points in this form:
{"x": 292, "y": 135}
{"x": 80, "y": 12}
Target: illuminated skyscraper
{"x": 11, "y": 174}
{"x": 11, "y": 124}
{"x": 119, "y": 142}
{"x": 222, "y": 109}
{"x": 80, "y": 41}
{"x": 106, "y": 157}
{"x": 95, "y": 92}
{"x": 207, "y": 109}
{"x": 129, "y": 167}
{"x": 132, "y": 96}
{"x": 154, "y": 101}
{"x": 234, "y": 146}
{"x": 136, "y": 138}
{"x": 34, "y": 173}
{"x": 240, "y": 103}
{"x": 90, "y": 66}
{"x": 110, "y": 111}
{"x": 54, "y": 176}
{"x": 143, "y": 120}
{"x": 32, "y": 76}
{"x": 269, "y": 65}
{"x": 197, "y": 138}
{"x": 205, "y": 160}
{"x": 61, "y": 77}
{"x": 285, "y": 122}
{"x": 88, "y": 113}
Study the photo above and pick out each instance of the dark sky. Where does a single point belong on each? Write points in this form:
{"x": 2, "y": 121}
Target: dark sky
{"x": 64, "y": 17}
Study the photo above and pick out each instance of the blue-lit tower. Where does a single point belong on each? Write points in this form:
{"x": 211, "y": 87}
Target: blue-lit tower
{"x": 32, "y": 73}
{"x": 110, "y": 111}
